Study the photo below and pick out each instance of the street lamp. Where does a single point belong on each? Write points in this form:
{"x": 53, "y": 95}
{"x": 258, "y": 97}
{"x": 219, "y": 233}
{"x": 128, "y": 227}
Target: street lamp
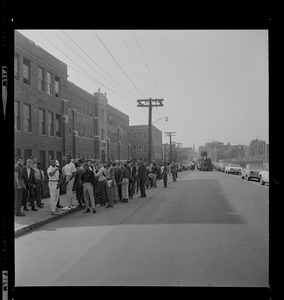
{"x": 161, "y": 119}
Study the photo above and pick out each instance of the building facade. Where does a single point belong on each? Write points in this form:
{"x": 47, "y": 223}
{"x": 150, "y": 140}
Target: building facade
{"x": 40, "y": 105}
{"x": 118, "y": 144}
{"x": 55, "y": 117}
{"x": 138, "y": 138}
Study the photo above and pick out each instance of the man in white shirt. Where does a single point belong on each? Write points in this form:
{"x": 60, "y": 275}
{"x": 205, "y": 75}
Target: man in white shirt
{"x": 53, "y": 179}
{"x": 69, "y": 173}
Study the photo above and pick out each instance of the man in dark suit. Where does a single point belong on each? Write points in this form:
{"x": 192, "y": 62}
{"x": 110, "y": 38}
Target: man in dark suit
{"x": 142, "y": 178}
{"x": 133, "y": 179}
{"x": 29, "y": 181}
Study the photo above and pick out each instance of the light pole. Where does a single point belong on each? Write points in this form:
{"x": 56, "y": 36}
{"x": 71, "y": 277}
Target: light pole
{"x": 160, "y": 119}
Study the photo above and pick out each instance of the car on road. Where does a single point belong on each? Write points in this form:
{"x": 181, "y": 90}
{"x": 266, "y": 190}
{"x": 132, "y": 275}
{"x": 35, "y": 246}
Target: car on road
{"x": 263, "y": 177}
{"x": 233, "y": 169}
{"x": 251, "y": 171}
{"x": 223, "y": 166}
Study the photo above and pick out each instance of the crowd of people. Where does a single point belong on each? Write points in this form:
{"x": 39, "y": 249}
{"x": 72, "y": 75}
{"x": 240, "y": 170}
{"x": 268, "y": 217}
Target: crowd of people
{"x": 90, "y": 183}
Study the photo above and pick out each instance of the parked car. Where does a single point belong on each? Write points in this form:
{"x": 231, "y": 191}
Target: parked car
{"x": 234, "y": 169}
{"x": 223, "y": 166}
{"x": 263, "y": 177}
{"x": 251, "y": 171}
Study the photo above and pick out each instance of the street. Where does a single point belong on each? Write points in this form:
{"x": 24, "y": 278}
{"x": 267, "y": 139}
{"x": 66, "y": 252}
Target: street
{"x": 206, "y": 229}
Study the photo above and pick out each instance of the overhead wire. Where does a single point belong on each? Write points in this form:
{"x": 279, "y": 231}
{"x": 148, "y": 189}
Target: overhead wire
{"x": 118, "y": 64}
{"x": 98, "y": 66}
{"x": 90, "y": 76}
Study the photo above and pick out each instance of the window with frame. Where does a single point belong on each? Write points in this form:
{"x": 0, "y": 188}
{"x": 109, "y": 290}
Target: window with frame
{"x": 139, "y": 134}
{"x": 57, "y": 87}
{"x": 139, "y": 149}
{"x": 49, "y": 83}
{"x": 134, "y": 149}
{"x": 134, "y": 135}
{"x": 41, "y": 81}
{"x": 58, "y": 125}
{"x": 26, "y": 71}
{"x": 27, "y": 118}
{"x": 17, "y": 115}
{"x": 41, "y": 119}
{"x": 145, "y": 135}
{"x": 27, "y": 155}
{"x": 50, "y": 155}
{"x": 17, "y": 66}
{"x": 50, "y": 123}
{"x": 145, "y": 148}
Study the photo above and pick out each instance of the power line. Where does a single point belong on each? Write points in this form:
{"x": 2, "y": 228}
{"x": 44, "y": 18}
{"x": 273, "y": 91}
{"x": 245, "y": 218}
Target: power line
{"x": 98, "y": 66}
{"x": 118, "y": 64}
{"x": 132, "y": 56}
{"x": 91, "y": 77}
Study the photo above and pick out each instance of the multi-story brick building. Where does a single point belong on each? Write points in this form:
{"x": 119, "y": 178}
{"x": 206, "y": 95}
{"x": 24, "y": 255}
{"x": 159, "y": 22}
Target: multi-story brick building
{"x": 118, "y": 146}
{"x": 41, "y": 125}
{"x": 55, "y": 117}
{"x": 139, "y": 142}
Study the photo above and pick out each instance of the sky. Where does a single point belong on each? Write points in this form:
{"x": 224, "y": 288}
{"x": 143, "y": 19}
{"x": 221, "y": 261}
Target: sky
{"x": 214, "y": 83}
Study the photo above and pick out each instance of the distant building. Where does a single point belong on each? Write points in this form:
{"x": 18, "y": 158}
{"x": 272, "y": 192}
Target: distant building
{"x": 138, "y": 139}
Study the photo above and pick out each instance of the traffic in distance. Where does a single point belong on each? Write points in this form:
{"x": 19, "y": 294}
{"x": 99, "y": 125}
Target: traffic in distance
{"x": 253, "y": 172}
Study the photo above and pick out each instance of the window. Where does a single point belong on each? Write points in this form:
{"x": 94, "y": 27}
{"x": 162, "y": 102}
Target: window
{"x": 17, "y": 115}
{"x": 139, "y": 134}
{"x": 50, "y": 123}
{"x": 26, "y": 71}
{"x": 41, "y": 119}
{"x": 139, "y": 149}
{"x": 17, "y": 66}
{"x": 87, "y": 130}
{"x": 79, "y": 128}
{"x": 58, "y": 125}
{"x": 50, "y": 155}
{"x": 27, "y": 118}
{"x": 102, "y": 134}
{"x": 27, "y": 155}
{"x": 49, "y": 83}
{"x": 83, "y": 129}
{"x": 57, "y": 87}
{"x": 134, "y": 150}
{"x": 41, "y": 82}
{"x": 58, "y": 156}
{"x": 102, "y": 116}
{"x": 42, "y": 159}
{"x": 134, "y": 135}
{"x": 145, "y": 148}
{"x": 145, "y": 135}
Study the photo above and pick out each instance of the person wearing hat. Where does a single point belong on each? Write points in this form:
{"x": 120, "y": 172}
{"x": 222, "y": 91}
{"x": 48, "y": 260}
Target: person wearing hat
{"x": 69, "y": 173}
{"x": 53, "y": 180}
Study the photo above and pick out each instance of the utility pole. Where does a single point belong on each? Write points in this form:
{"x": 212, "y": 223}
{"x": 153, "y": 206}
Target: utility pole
{"x": 150, "y": 103}
{"x": 170, "y": 134}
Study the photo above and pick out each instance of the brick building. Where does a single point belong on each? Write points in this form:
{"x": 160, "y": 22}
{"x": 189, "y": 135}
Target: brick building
{"x": 55, "y": 117}
{"x": 117, "y": 139}
{"x": 41, "y": 126}
{"x": 139, "y": 142}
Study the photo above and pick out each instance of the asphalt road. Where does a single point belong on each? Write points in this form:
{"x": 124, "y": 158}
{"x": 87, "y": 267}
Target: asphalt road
{"x": 206, "y": 229}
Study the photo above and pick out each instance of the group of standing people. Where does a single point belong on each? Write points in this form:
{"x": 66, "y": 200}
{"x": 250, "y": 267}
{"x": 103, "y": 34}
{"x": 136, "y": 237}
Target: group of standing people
{"x": 92, "y": 184}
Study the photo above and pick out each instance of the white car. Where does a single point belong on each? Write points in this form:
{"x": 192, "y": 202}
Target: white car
{"x": 264, "y": 177}
{"x": 233, "y": 168}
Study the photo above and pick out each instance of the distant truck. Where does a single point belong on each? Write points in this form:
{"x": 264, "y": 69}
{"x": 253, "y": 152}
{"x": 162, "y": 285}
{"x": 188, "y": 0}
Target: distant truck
{"x": 204, "y": 163}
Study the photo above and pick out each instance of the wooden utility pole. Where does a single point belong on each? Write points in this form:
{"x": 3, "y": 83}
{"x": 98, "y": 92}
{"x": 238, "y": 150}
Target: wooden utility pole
{"x": 170, "y": 134}
{"x": 150, "y": 103}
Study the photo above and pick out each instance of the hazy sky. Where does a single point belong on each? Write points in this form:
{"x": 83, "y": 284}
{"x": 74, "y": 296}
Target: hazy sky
{"x": 214, "y": 82}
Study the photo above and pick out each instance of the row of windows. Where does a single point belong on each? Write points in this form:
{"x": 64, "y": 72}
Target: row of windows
{"x": 85, "y": 151}
{"x": 44, "y": 156}
{"x": 138, "y": 135}
{"x": 47, "y": 126}
{"x": 140, "y": 149}
{"x": 47, "y": 82}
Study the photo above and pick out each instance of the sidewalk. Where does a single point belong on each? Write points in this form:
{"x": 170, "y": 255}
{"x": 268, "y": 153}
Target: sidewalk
{"x": 35, "y": 219}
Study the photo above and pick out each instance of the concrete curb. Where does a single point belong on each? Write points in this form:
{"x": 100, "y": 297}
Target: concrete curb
{"x": 50, "y": 219}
